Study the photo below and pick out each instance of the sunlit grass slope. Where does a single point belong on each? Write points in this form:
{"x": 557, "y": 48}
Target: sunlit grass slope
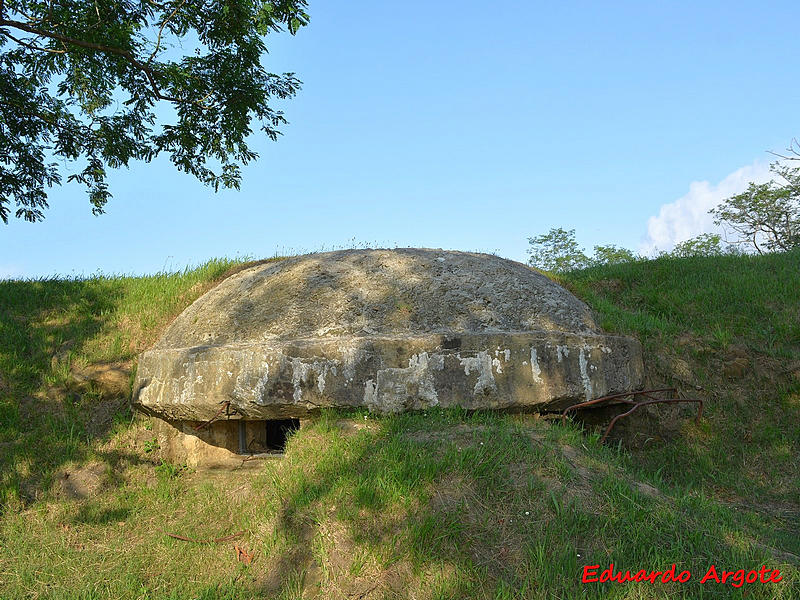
{"x": 441, "y": 504}
{"x": 731, "y": 326}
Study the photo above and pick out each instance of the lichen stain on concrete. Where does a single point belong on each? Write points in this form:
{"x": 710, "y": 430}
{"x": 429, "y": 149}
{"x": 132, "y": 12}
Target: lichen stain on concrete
{"x": 302, "y": 373}
{"x": 349, "y": 359}
{"x": 320, "y": 371}
{"x": 562, "y": 352}
{"x": 536, "y": 370}
{"x": 299, "y": 376}
{"x": 412, "y": 387}
{"x": 482, "y": 364}
{"x": 261, "y": 385}
{"x": 583, "y": 363}
{"x": 369, "y": 393}
{"x": 251, "y": 384}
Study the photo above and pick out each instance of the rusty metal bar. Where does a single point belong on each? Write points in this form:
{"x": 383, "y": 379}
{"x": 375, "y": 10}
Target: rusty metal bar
{"x": 629, "y": 398}
{"x": 226, "y": 404}
{"x": 589, "y": 403}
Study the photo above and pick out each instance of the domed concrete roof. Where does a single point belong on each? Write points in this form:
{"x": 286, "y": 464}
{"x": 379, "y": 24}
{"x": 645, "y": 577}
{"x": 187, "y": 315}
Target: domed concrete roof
{"x": 378, "y": 292}
{"x": 387, "y": 329}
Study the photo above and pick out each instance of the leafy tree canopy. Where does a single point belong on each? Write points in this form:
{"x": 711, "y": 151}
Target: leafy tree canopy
{"x": 558, "y": 252}
{"x": 612, "y": 255}
{"x": 80, "y": 82}
{"x": 766, "y": 215}
{"x": 705, "y": 244}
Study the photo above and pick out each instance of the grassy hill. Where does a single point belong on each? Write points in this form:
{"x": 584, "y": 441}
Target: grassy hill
{"x": 441, "y": 504}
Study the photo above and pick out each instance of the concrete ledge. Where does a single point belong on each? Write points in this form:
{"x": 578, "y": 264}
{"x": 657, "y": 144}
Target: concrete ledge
{"x": 530, "y": 370}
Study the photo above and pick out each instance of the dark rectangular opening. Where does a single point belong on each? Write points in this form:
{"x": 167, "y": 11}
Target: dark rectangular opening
{"x": 278, "y": 431}
{"x": 265, "y": 437}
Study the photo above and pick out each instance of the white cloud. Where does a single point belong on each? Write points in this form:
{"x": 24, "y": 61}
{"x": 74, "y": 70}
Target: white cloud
{"x": 688, "y": 216}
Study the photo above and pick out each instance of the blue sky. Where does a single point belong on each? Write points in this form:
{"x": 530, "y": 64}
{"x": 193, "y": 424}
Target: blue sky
{"x": 469, "y": 126}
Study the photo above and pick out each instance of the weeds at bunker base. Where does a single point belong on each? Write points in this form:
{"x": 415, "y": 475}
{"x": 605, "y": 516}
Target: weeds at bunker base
{"x": 736, "y": 578}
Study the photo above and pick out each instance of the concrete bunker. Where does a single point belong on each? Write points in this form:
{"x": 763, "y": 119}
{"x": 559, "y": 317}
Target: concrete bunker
{"x": 386, "y": 330}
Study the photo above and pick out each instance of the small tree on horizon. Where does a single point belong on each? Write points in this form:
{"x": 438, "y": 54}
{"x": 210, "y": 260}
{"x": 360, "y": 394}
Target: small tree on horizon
{"x": 557, "y": 251}
{"x": 766, "y": 214}
{"x": 705, "y": 244}
{"x": 612, "y": 255}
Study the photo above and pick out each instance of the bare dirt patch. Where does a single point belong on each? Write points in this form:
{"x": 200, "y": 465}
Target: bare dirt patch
{"x": 81, "y": 483}
{"x": 33, "y": 407}
{"x": 110, "y": 379}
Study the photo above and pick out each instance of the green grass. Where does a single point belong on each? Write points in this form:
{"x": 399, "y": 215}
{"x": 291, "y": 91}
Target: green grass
{"x": 709, "y": 312}
{"x": 752, "y": 300}
{"x": 440, "y": 504}
{"x": 50, "y": 326}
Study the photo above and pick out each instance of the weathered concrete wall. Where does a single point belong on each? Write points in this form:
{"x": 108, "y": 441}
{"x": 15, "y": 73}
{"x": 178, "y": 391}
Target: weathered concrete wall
{"x": 215, "y": 445}
{"x": 385, "y": 374}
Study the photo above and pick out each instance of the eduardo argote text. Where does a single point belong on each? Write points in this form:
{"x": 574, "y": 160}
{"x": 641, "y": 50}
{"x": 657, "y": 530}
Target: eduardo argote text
{"x": 736, "y": 578}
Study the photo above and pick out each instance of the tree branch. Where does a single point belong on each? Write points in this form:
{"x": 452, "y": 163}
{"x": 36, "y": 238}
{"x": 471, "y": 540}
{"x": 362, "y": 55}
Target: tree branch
{"x": 93, "y": 46}
{"x": 794, "y": 148}
{"x": 31, "y": 46}
{"x": 161, "y": 30}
